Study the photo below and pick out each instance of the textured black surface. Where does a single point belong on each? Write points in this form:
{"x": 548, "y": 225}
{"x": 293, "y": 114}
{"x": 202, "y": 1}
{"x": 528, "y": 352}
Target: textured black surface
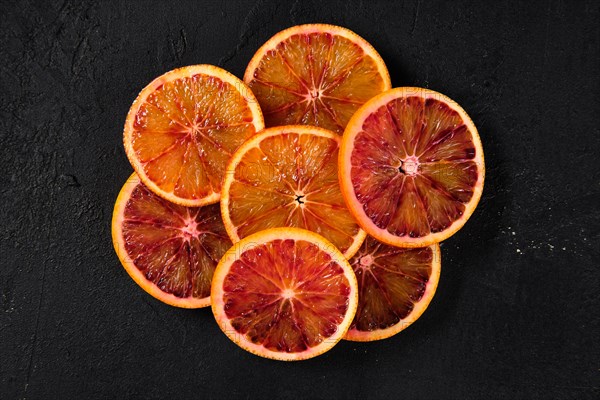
{"x": 517, "y": 310}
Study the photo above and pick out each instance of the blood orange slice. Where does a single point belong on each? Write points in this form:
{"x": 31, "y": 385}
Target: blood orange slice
{"x": 411, "y": 167}
{"x": 395, "y": 287}
{"x": 284, "y": 293}
{"x": 182, "y": 129}
{"x": 287, "y": 176}
{"x": 315, "y": 74}
{"x": 169, "y": 250}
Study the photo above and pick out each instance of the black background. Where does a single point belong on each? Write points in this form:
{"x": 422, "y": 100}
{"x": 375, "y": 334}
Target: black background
{"x": 517, "y": 309}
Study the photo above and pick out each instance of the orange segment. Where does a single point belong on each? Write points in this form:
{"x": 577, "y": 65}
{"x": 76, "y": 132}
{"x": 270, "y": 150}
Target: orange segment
{"x": 411, "y": 167}
{"x": 395, "y": 287}
{"x": 287, "y": 176}
{"x": 182, "y": 129}
{"x": 284, "y": 293}
{"x": 169, "y": 250}
{"x": 315, "y": 74}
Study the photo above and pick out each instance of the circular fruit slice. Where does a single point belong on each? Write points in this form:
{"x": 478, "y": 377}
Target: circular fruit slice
{"x": 169, "y": 250}
{"x": 287, "y": 176}
{"x": 315, "y": 74}
{"x": 182, "y": 129}
{"x": 284, "y": 293}
{"x": 411, "y": 167}
{"x": 395, "y": 287}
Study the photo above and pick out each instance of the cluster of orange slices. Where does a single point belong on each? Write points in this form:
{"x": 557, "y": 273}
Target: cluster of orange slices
{"x": 305, "y": 203}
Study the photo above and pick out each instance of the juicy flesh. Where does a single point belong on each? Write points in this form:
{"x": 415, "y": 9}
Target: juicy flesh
{"x": 315, "y": 79}
{"x": 413, "y": 166}
{"x": 291, "y": 180}
{"x": 185, "y": 132}
{"x": 286, "y": 295}
{"x": 175, "y": 247}
{"x": 391, "y": 281}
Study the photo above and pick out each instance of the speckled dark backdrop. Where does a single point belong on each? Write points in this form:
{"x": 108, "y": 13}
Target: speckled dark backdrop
{"x": 517, "y": 310}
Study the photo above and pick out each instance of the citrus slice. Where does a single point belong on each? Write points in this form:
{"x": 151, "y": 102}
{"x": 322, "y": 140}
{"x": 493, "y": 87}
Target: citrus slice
{"x": 315, "y": 74}
{"x": 284, "y": 293}
{"x": 170, "y": 251}
{"x": 182, "y": 129}
{"x": 395, "y": 287}
{"x": 411, "y": 167}
{"x": 287, "y": 176}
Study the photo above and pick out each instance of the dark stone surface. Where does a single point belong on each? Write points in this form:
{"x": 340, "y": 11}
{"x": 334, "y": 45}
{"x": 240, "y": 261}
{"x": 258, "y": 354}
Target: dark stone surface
{"x": 517, "y": 310}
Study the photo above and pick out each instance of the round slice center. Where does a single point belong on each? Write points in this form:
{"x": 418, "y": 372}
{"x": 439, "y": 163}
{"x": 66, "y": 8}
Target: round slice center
{"x": 300, "y": 199}
{"x": 190, "y": 229}
{"x": 409, "y": 166}
{"x": 366, "y": 261}
{"x": 288, "y": 293}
